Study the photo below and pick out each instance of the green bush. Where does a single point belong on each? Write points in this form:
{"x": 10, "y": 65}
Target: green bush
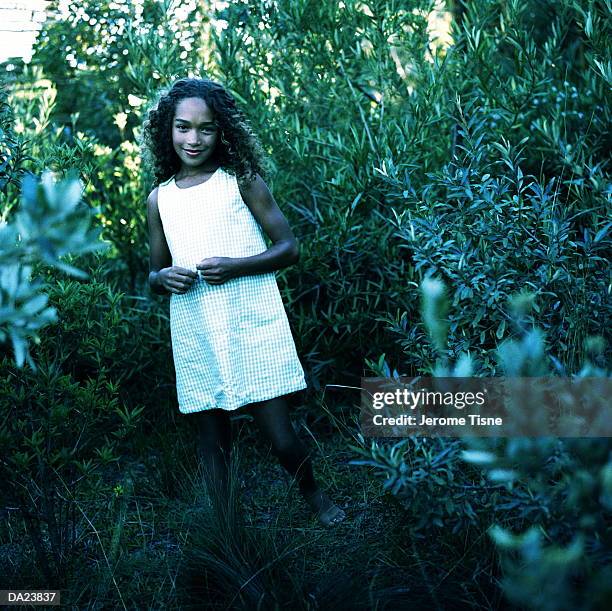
{"x": 67, "y": 428}
{"x": 106, "y": 46}
{"x": 490, "y": 231}
{"x": 66, "y": 422}
{"x": 553, "y": 489}
{"x": 50, "y": 224}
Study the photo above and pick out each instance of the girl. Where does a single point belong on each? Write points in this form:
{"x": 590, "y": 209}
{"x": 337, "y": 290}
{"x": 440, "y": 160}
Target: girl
{"x": 231, "y": 342}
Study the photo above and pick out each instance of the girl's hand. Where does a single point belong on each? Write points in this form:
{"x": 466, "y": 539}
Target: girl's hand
{"x": 217, "y": 270}
{"x": 176, "y": 279}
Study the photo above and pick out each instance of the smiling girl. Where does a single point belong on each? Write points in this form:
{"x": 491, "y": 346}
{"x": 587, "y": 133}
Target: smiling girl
{"x": 231, "y": 341}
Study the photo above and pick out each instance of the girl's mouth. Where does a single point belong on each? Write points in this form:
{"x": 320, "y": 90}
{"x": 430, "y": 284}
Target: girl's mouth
{"x": 193, "y": 153}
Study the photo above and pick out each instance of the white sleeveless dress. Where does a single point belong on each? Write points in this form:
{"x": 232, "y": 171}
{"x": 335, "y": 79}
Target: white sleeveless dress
{"x": 231, "y": 342}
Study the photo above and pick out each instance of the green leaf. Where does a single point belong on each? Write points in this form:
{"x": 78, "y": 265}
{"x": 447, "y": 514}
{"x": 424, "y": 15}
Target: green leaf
{"x": 478, "y": 457}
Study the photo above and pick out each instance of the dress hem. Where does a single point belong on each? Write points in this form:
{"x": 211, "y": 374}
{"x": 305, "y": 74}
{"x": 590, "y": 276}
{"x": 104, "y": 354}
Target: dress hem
{"x": 276, "y": 394}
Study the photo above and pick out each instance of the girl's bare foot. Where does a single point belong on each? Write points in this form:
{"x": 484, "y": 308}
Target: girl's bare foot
{"x": 327, "y": 512}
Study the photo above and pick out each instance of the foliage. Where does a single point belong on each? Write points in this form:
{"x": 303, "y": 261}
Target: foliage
{"x": 540, "y": 72}
{"x": 66, "y": 423}
{"x": 11, "y": 146}
{"x": 96, "y": 69}
{"x": 491, "y": 230}
{"x": 49, "y": 225}
{"x": 63, "y": 424}
{"x": 557, "y": 489}
{"x": 65, "y": 420}
{"x": 50, "y": 147}
{"x": 422, "y": 474}
{"x": 117, "y": 191}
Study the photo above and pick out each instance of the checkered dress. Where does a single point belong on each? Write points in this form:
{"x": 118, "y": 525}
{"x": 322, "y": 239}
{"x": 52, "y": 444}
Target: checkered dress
{"x": 231, "y": 342}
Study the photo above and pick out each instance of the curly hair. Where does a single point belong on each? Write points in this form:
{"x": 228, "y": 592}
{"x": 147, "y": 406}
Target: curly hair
{"x": 238, "y": 149}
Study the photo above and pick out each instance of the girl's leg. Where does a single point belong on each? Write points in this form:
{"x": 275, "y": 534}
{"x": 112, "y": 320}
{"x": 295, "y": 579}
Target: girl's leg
{"x": 272, "y": 417}
{"x": 214, "y": 446}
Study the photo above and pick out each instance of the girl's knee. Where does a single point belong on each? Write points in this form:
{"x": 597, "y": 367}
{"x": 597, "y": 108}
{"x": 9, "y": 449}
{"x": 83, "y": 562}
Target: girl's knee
{"x": 290, "y": 449}
{"x": 214, "y": 428}
{"x": 211, "y": 418}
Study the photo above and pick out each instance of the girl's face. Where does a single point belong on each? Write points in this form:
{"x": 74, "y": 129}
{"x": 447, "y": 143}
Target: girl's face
{"x": 194, "y": 132}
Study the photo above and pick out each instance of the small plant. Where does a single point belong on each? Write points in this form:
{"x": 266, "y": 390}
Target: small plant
{"x": 49, "y": 225}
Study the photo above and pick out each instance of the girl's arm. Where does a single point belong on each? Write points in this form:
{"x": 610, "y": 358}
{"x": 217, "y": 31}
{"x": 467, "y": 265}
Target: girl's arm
{"x": 283, "y": 252}
{"x": 285, "y": 249}
{"x": 159, "y": 253}
{"x": 164, "y": 278}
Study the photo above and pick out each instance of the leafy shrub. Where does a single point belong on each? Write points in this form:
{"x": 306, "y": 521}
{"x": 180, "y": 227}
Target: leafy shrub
{"x": 490, "y": 230}
{"x": 49, "y": 225}
{"x": 112, "y": 184}
{"x": 562, "y": 485}
{"x": 67, "y": 428}
{"x": 390, "y": 119}
{"x": 66, "y": 419}
{"x": 107, "y": 46}
{"x": 11, "y": 146}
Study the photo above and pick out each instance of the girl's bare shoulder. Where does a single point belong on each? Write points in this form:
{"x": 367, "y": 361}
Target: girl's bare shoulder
{"x": 153, "y": 196}
{"x": 253, "y": 185}
{"x": 152, "y": 199}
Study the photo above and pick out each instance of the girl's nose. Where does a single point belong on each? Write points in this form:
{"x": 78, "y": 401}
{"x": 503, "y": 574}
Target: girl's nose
{"x": 194, "y": 137}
